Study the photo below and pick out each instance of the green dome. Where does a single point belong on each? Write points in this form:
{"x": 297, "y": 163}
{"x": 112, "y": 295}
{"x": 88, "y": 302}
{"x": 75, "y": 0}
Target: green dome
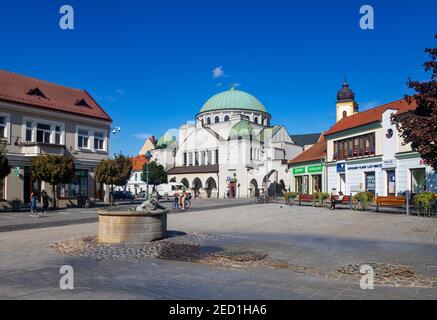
{"x": 241, "y": 129}
{"x": 165, "y": 141}
{"x": 233, "y": 99}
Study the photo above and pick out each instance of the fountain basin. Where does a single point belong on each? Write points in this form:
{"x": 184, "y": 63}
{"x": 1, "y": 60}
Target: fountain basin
{"x": 129, "y": 226}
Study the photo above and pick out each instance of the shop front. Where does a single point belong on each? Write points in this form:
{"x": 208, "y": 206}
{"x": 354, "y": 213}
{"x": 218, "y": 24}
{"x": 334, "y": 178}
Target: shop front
{"x": 308, "y": 179}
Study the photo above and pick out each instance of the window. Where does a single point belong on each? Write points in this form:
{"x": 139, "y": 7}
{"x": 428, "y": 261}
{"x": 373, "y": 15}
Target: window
{"x": 99, "y": 140}
{"x": 185, "y": 159}
{"x": 344, "y": 114}
{"x": 196, "y": 158}
{"x": 29, "y": 130}
{"x": 58, "y": 134}
{"x": 82, "y": 139}
{"x": 216, "y": 157}
{"x": 2, "y": 127}
{"x": 360, "y": 146}
{"x": 418, "y": 180}
{"x": 226, "y": 118}
{"x": 209, "y": 152}
{"x": 256, "y": 120}
{"x": 208, "y": 120}
{"x": 370, "y": 182}
{"x": 216, "y": 119}
{"x": 43, "y": 132}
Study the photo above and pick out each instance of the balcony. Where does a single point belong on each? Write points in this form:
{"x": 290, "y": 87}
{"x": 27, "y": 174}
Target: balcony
{"x": 31, "y": 149}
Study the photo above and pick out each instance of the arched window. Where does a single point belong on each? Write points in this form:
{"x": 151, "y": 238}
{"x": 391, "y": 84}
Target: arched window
{"x": 344, "y": 114}
{"x": 256, "y": 120}
{"x": 208, "y": 120}
{"x": 216, "y": 119}
{"x": 226, "y": 118}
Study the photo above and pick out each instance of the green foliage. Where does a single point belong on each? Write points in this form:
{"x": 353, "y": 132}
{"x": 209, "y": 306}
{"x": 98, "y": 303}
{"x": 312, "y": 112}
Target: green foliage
{"x": 115, "y": 171}
{"x": 320, "y": 197}
{"x": 423, "y": 201}
{"x": 156, "y": 174}
{"x": 418, "y": 126}
{"x": 53, "y": 169}
{"x": 364, "y": 198}
{"x": 5, "y": 169}
{"x": 290, "y": 195}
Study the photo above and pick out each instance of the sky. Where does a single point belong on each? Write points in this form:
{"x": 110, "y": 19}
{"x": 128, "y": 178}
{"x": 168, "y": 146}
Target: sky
{"x": 152, "y": 64}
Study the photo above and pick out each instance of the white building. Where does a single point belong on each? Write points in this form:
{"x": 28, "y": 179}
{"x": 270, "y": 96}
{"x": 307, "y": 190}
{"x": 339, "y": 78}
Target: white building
{"x": 231, "y": 149}
{"x": 366, "y": 153}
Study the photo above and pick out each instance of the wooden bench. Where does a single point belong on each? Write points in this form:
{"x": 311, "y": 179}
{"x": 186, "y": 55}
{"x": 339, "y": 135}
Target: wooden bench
{"x": 391, "y": 201}
{"x": 346, "y": 202}
{"x": 305, "y": 198}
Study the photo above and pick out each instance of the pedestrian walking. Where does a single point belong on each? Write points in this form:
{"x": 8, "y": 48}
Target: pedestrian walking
{"x": 176, "y": 200}
{"x": 44, "y": 201}
{"x": 33, "y": 203}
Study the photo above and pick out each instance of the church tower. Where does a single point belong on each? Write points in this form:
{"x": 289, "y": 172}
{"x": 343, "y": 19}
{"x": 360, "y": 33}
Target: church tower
{"x": 346, "y": 104}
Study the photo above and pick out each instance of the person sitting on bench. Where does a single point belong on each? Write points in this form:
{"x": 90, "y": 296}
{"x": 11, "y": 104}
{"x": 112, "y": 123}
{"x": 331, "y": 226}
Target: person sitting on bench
{"x": 336, "y": 200}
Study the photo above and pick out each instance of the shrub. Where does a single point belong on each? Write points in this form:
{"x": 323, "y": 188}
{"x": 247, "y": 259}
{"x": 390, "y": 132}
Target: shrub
{"x": 423, "y": 201}
{"x": 364, "y": 198}
{"x": 320, "y": 197}
{"x": 288, "y": 195}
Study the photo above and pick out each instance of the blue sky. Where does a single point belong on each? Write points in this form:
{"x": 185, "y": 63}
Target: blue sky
{"x": 149, "y": 63}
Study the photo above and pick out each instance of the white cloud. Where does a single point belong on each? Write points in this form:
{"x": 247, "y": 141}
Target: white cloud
{"x": 218, "y": 72}
{"x": 143, "y": 135}
{"x": 120, "y": 91}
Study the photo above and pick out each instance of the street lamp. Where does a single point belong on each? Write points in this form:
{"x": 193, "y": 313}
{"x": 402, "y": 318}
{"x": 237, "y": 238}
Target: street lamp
{"x": 148, "y": 156}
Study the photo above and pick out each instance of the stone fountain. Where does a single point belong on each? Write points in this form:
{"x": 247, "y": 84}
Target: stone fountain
{"x": 144, "y": 223}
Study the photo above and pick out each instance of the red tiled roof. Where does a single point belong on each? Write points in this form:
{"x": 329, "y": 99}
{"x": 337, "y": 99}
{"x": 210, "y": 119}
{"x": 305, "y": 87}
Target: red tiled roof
{"x": 315, "y": 152}
{"x": 138, "y": 162}
{"x": 16, "y": 88}
{"x": 371, "y": 115}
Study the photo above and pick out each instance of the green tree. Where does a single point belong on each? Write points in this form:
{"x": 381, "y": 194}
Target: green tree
{"x": 53, "y": 169}
{"x": 157, "y": 174}
{"x": 419, "y": 126}
{"x": 115, "y": 171}
{"x": 5, "y": 169}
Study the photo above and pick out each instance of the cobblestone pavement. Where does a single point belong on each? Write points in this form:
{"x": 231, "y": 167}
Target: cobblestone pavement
{"x": 308, "y": 240}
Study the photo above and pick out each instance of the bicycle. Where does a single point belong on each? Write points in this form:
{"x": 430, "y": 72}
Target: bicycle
{"x": 263, "y": 198}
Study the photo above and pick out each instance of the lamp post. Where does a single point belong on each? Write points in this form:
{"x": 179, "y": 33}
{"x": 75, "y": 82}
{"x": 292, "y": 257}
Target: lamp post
{"x": 148, "y": 156}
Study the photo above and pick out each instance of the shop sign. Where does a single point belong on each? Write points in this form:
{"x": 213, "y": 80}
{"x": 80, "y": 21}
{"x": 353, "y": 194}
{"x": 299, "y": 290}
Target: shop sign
{"x": 298, "y": 170}
{"x": 17, "y": 171}
{"x": 389, "y": 164}
{"x": 81, "y": 173}
{"x": 341, "y": 167}
{"x": 318, "y": 168}
{"x": 365, "y": 166}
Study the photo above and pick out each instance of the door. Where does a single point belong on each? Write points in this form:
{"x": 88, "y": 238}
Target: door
{"x": 391, "y": 182}
{"x": 298, "y": 184}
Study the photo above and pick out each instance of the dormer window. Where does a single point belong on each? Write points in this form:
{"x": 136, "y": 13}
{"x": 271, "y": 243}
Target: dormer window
{"x": 36, "y": 92}
{"x": 82, "y": 102}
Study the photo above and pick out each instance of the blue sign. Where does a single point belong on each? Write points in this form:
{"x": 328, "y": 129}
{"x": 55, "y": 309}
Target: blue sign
{"x": 341, "y": 167}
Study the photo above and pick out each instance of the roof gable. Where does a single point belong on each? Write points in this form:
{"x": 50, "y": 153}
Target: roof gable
{"x": 50, "y": 96}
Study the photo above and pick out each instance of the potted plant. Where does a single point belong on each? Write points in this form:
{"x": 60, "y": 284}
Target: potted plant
{"x": 364, "y": 198}
{"x": 319, "y": 198}
{"x": 289, "y": 195}
{"x": 423, "y": 202}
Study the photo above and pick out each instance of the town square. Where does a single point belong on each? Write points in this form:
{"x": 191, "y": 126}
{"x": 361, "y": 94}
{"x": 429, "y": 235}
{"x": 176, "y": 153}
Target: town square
{"x": 183, "y": 151}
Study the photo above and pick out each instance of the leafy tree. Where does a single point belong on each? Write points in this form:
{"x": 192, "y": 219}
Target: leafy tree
{"x": 157, "y": 174}
{"x": 419, "y": 126}
{"x": 115, "y": 171}
{"x": 54, "y": 169}
{"x": 5, "y": 169}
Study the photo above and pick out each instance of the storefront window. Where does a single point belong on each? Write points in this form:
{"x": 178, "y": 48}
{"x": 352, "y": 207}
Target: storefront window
{"x": 317, "y": 183}
{"x": 302, "y": 184}
{"x": 77, "y": 186}
{"x": 370, "y": 182}
{"x": 418, "y": 180}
